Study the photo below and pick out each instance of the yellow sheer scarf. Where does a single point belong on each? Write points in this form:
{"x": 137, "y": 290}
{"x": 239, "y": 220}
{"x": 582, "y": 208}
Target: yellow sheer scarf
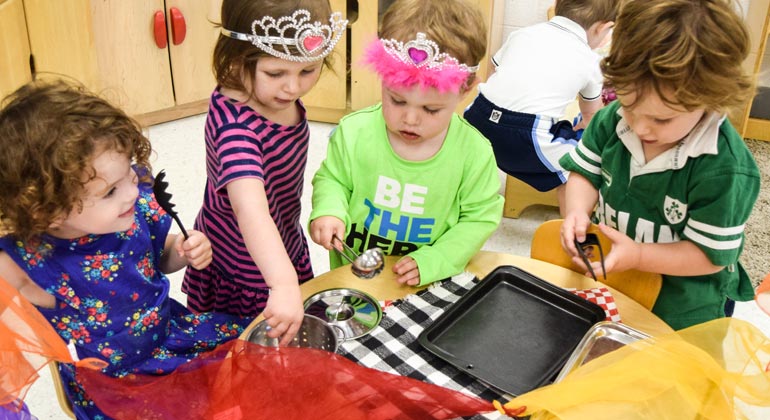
{"x": 714, "y": 370}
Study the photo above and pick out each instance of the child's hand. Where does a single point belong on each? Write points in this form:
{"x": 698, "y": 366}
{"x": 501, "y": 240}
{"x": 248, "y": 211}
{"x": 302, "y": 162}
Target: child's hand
{"x": 284, "y": 312}
{"x": 575, "y": 226}
{"x": 407, "y": 271}
{"x": 196, "y": 249}
{"x": 323, "y": 230}
{"x": 625, "y": 253}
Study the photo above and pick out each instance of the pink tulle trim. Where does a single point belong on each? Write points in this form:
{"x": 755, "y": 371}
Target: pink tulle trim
{"x": 395, "y": 73}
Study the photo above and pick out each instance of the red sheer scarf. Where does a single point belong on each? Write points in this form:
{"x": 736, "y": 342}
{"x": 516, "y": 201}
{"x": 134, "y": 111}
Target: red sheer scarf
{"x": 236, "y": 380}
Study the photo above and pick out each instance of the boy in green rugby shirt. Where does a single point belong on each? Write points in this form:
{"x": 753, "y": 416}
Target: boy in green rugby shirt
{"x": 665, "y": 174}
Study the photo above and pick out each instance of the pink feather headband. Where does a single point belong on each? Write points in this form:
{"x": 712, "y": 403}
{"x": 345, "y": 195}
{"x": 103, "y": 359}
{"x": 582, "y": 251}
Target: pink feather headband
{"x": 418, "y": 61}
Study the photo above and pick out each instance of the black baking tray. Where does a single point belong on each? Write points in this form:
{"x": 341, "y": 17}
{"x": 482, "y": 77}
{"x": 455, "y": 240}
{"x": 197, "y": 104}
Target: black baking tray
{"x": 513, "y": 330}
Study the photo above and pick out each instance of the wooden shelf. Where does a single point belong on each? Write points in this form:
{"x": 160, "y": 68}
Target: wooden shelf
{"x": 14, "y": 48}
{"x": 758, "y": 22}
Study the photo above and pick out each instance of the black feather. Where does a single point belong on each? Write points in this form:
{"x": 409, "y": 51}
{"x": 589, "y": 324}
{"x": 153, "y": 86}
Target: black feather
{"x": 164, "y": 199}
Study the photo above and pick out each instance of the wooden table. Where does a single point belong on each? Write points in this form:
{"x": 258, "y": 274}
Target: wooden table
{"x": 384, "y": 287}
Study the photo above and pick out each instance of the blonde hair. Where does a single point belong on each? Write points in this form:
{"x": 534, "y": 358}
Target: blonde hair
{"x": 689, "y": 52}
{"x": 587, "y": 12}
{"x": 235, "y": 59}
{"x": 456, "y": 26}
{"x": 49, "y": 134}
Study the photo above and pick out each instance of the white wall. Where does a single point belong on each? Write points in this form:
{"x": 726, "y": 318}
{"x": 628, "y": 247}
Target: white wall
{"x": 510, "y": 15}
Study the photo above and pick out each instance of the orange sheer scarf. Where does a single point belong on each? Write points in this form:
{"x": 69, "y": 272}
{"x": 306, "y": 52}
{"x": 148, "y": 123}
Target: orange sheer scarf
{"x": 27, "y": 344}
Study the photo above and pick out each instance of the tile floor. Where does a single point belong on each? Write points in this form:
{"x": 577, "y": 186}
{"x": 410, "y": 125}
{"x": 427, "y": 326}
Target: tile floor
{"x": 179, "y": 150}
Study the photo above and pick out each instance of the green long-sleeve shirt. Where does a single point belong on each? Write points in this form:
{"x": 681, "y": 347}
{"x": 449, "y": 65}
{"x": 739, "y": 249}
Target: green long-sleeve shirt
{"x": 439, "y": 211}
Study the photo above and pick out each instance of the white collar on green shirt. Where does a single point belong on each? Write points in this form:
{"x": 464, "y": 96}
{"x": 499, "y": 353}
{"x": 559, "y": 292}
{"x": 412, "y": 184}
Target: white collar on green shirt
{"x": 702, "y": 140}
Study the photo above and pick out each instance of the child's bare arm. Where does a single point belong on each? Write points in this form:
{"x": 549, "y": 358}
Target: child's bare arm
{"x": 284, "y": 311}
{"x": 17, "y": 278}
{"x": 194, "y": 251}
{"x": 587, "y": 110}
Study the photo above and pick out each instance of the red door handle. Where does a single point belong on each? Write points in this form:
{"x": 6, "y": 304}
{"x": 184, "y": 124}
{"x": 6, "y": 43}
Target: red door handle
{"x": 159, "y": 29}
{"x": 178, "y": 26}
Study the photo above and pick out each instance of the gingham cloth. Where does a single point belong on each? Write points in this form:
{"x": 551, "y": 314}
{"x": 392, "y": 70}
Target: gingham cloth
{"x": 602, "y": 297}
{"x": 393, "y": 347}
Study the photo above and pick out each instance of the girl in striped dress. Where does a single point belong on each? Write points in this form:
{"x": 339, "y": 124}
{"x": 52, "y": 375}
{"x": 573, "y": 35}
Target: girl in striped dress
{"x": 269, "y": 54}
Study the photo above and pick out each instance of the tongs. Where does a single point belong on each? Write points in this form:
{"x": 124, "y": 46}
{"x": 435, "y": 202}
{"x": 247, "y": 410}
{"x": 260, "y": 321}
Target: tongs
{"x": 591, "y": 240}
{"x": 365, "y": 265}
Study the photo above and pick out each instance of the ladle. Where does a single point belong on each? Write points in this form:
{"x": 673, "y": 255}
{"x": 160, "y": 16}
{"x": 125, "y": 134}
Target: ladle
{"x": 365, "y": 265}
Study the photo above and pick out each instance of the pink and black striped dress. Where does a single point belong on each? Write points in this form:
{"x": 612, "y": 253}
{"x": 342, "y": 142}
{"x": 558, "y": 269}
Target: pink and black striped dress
{"x": 240, "y": 143}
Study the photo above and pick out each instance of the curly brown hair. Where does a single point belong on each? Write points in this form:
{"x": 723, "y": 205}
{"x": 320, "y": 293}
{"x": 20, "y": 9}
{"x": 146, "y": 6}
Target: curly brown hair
{"x": 235, "y": 58}
{"x": 49, "y": 134}
{"x": 689, "y": 52}
{"x": 455, "y": 25}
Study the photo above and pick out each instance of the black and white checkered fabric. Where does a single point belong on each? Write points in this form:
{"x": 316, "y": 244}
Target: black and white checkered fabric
{"x": 393, "y": 347}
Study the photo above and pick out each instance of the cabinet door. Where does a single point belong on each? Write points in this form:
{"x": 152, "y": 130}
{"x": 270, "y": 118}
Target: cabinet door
{"x": 14, "y": 47}
{"x": 108, "y": 45}
{"x": 365, "y": 87}
{"x": 758, "y": 22}
{"x": 191, "y": 57}
{"x": 331, "y": 90}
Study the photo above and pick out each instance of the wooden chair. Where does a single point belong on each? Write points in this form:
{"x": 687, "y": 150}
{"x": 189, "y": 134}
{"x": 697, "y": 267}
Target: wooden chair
{"x": 64, "y": 402}
{"x": 640, "y": 286}
{"x": 519, "y": 195}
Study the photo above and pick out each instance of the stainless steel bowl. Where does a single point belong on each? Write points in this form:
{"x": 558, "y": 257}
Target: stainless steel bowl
{"x": 353, "y": 311}
{"x": 313, "y": 333}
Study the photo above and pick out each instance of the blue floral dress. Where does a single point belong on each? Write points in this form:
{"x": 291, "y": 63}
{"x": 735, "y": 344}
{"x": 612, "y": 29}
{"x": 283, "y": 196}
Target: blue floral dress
{"x": 113, "y": 303}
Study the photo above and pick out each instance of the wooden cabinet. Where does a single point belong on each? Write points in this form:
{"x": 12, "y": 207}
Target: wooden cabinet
{"x": 14, "y": 48}
{"x": 133, "y": 53}
{"x": 328, "y": 100}
{"x": 758, "y": 22}
{"x": 365, "y": 88}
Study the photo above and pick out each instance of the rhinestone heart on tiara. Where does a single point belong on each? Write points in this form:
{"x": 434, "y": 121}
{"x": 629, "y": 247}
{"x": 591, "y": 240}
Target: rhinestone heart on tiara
{"x": 312, "y": 41}
{"x": 423, "y": 52}
{"x": 417, "y": 55}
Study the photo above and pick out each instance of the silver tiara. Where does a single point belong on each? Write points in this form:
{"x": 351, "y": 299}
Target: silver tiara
{"x": 422, "y": 52}
{"x": 312, "y": 40}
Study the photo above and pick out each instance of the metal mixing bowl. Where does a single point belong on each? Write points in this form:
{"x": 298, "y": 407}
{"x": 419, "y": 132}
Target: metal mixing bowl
{"x": 353, "y": 311}
{"x": 313, "y": 333}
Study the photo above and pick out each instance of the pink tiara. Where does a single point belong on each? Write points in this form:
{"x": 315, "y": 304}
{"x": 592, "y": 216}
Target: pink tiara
{"x": 418, "y": 61}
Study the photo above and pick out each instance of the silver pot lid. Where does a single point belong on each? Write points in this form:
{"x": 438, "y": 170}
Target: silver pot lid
{"x": 353, "y": 311}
